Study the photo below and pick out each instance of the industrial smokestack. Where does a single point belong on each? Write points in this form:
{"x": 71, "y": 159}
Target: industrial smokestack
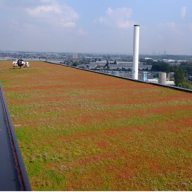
{"x": 135, "y": 52}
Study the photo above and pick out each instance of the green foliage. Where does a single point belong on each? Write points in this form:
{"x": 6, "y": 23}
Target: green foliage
{"x": 118, "y": 69}
{"x": 74, "y": 64}
{"x": 159, "y": 66}
{"x": 184, "y": 63}
{"x": 185, "y": 85}
{"x": 55, "y": 176}
{"x": 186, "y": 67}
{"x": 173, "y": 68}
{"x": 142, "y": 60}
{"x": 149, "y": 61}
{"x": 146, "y": 62}
{"x": 179, "y": 77}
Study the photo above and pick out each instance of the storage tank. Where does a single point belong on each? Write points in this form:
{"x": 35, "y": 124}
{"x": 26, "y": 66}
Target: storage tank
{"x": 162, "y": 78}
{"x": 116, "y": 73}
{"x": 144, "y": 75}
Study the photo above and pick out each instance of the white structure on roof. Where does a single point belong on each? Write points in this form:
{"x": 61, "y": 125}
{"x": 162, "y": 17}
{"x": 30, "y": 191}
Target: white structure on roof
{"x": 27, "y": 64}
{"x": 162, "y": 78}
{"x": 24, "y": 64}
{"x": 15, "y": 64}
{"x": 152, "y": 80}
{"x": 135, "y": 52}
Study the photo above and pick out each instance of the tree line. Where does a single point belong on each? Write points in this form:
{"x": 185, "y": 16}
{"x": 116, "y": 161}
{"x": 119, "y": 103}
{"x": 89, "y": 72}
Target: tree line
{"x": 165, "y": 67}
{"x": 181, "y": 72}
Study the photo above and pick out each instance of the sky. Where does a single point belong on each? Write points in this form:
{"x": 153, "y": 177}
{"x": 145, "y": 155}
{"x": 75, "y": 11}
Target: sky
{"x": 96, "y": 26}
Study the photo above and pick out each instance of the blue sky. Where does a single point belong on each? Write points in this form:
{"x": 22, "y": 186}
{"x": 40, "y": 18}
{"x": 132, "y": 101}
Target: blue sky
{"x": 96, "y": 26}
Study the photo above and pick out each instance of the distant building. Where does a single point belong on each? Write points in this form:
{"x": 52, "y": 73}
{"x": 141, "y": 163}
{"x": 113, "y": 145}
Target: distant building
{"x": 144, "y": 67}
{"x": 119, "y": 65}
{"x": 92, "y": 65}
{"x": 113, "y": 66}
{"x": 168, "y": 60}
{"x": 124, "y": 65}
{"x": 147, "y": 58}
{"x": 75, "y": 56}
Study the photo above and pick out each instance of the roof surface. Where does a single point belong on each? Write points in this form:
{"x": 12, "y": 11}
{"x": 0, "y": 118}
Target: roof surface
{"x": 8, "y": 176}
{"x": 83, "y": 131}
{"x": 13, "y": 176}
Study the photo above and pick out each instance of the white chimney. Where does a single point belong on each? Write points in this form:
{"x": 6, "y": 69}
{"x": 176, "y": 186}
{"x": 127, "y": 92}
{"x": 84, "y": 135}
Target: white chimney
{"x": 135, "y": 52}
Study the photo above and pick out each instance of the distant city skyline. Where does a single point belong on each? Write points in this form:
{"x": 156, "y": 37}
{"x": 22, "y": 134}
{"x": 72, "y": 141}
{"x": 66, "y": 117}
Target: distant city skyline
{"x": 96, "y": 26}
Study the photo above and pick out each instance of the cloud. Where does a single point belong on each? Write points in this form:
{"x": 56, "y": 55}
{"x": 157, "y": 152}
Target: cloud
{"x": 43, "y": 11}
{"x": 55, "y": 14}
{"x": 102, "y": 20}
{"x": 190, "y": 27}
{"x": 172, "y": 30}
{"x": 13, "y": 23}
{"x": 21, "y": 27}
{"x": 109, "y": 11}
{"x": 47, "y": 1}
{"x": 119, "y": 17}
{"x": 172, "y": 26}
{"x": 82, "y": 32}
{"x": 183, "y": 11}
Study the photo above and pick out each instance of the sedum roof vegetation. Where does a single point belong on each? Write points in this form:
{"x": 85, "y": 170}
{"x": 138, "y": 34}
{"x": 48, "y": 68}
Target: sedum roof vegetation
{"x": 79, "y": 130}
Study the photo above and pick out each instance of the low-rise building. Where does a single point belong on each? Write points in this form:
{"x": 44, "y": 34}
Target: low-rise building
{"x": 119, "y": 65}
